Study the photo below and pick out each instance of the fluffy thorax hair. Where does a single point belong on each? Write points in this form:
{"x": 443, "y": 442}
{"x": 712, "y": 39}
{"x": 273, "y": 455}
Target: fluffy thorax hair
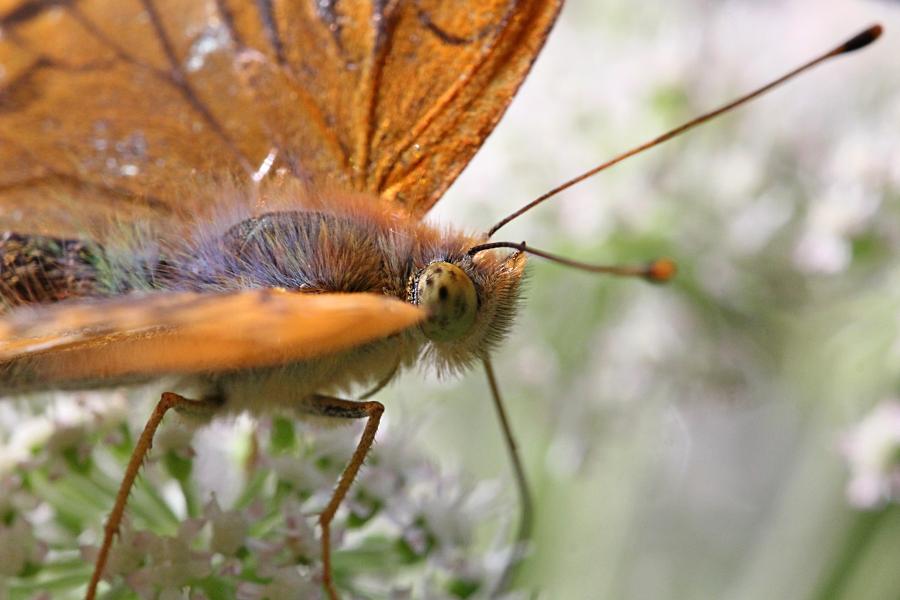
{"x": 326, "y": 242}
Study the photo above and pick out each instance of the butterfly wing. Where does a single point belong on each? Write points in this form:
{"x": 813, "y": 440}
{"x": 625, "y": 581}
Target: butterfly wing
{"x": 111, "y": 108}
{"x": 121, "y": 107}
{"x": 123, "y": 339}
{"x": 408, "y": 90}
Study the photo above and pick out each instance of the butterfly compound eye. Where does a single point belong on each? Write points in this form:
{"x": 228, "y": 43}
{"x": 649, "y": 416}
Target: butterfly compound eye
{"x": 448, "y": 295}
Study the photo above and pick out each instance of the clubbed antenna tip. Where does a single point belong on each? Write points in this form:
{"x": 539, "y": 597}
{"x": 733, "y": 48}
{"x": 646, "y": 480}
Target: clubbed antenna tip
{"x": 861, "y": 40}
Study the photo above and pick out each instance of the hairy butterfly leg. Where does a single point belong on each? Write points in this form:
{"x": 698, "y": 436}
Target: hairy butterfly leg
{"x": 327, "y": 406}
{"x": 195, "y": 408}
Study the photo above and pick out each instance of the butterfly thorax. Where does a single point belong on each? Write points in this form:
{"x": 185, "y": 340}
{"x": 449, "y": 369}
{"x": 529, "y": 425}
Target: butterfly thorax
{"x": 347, "y": 246}
{"x": 304, "y": 250}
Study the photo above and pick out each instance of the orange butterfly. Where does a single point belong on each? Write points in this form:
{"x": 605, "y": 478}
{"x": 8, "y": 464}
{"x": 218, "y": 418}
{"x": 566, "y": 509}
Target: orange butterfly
{"x": 231, "y": 192}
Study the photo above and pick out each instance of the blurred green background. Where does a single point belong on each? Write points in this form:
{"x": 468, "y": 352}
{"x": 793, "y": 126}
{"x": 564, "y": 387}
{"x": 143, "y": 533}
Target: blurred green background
{"x": 684, "y": 440}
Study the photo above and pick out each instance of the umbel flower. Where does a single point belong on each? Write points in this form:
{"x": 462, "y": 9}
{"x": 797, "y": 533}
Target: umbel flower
{"x": 409, "y": 530}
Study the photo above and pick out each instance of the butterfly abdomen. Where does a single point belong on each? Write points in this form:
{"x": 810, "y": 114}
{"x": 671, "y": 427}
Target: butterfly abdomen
{"x": 42, "y": 269}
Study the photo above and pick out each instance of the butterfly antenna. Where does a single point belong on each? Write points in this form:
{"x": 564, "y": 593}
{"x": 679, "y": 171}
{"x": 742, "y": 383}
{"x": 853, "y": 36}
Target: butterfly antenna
{"x": 858, "y": 41}
{"x": 657, "y": 271}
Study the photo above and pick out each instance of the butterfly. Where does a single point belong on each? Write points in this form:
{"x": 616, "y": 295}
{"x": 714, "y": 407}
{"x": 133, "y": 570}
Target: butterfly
{"x": 232, "y": 193}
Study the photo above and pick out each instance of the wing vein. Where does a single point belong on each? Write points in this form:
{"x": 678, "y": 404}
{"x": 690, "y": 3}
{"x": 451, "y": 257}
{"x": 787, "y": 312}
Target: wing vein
{"x": 367, "y": 93}
{"x": 228, "y": 19}
{"x": 27, "y": 11}
{"x": 181, "y": 82}
{"x": 116, "y": 192}
{"x": 383, "y": 173}
{"x": 49, "y": 173}
{"x": 270, "y": 25}
{"x": 313, "y": 110}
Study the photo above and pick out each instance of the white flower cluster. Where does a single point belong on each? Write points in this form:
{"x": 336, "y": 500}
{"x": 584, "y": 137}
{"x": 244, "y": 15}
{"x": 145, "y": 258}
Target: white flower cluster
{"x": 407, "y": 530}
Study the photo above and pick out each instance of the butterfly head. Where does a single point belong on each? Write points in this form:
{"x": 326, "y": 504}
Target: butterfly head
{"x": 471, "y": 303}
{"x": 447, "y": 293}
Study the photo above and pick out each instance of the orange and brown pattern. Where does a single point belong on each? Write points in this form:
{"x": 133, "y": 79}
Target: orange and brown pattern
{"x": 121, "y": 107}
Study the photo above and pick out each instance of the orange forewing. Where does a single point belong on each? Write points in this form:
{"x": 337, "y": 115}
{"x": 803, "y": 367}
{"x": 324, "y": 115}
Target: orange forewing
{"x": 115, "y": 106}
{"x": 180, "y": 333}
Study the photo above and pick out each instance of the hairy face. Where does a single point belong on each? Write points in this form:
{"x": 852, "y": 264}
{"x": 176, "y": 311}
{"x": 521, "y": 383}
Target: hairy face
{"x": 471, "y": 304}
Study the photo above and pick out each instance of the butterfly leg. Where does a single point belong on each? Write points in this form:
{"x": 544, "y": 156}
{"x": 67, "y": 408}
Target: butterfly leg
{"x": 343, "y": 409}
{"x": 526, "y": 516}
{"x": 199, "y": 408}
